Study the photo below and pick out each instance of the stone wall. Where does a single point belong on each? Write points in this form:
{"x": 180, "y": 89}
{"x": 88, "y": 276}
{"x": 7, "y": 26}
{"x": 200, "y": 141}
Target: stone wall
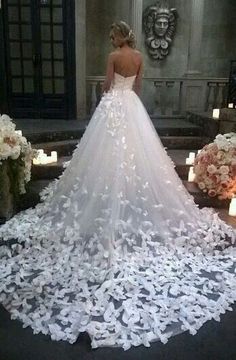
{"x": 100, "y": 15}
{"x": 175, "y": 63}
{"x": 218, "y": 39}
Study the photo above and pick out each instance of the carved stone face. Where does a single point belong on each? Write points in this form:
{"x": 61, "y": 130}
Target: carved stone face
{"x": 161, "y": 26}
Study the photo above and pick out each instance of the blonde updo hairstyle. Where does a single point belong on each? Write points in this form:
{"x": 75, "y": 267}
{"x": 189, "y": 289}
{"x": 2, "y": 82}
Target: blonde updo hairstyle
{"x": 123, "y": 29}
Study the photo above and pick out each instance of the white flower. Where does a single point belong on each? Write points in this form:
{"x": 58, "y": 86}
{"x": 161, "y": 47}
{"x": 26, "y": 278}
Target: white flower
{"x": 201, "y": 185}
{"x": 224, "y": 177}
{"x": 5, "y": 151}
{"x": 211, "y": 169}
{"x": 224, "y": 169}
{"x": 15, "y": 152}
{"x": 13, "y": 145}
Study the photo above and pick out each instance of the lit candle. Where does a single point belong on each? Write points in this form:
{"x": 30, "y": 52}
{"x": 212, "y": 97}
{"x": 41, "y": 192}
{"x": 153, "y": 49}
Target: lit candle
{"x": 50, "y": 160}
{"x": 231, "y": 106}
{"x": 43, "y": 159}
{"x": 188, "y": 161}
{"x": 191, "y": 156}
{"x": 18, "y": 132}
{"x": 216, "y": 113}
{"x": 36, "y": 161}
{"x": 54, "y": 156}
{"x": 191, "y": 175}
{"x": 40, "y": 152}
{"x": 232, "y": 207}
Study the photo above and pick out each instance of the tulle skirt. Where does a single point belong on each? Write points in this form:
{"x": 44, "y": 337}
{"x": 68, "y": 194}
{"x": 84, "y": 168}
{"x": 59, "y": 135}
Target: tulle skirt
{"x": 117, "y": 247}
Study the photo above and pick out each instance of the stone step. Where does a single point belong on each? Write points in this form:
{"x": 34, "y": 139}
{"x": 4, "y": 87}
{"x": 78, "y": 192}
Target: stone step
{"x": 31, "y": 198}
{"x": 38, "y": 131}
{"x": 184, "y": 142}
{"x": 63, "y": 148}
{"x": 202, "y": 199}
{"x": 206, "y": 122}
{"x": 34, "y": 138}
{"x": 51, "y": 171}
{"x": 66, "y": 147}
{"x": 176, "y": 127}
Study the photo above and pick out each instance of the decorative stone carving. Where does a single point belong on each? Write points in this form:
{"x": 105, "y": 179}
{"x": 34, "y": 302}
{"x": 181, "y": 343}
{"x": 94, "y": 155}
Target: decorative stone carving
{"x": 159, "y": 23}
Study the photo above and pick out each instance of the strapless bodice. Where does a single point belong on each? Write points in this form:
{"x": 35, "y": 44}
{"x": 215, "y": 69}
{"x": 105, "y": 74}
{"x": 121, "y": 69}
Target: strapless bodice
{"x": 123, "y": 83}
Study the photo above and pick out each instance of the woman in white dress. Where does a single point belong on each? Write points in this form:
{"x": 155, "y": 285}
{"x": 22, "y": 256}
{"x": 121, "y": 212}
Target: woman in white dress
{"x": 117, "y": 247}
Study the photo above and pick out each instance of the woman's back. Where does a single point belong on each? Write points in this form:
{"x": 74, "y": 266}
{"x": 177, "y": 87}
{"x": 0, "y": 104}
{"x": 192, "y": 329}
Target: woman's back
{"x": 127, "y": 61}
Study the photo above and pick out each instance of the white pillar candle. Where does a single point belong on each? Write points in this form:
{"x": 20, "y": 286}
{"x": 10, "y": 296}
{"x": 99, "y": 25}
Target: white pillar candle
{"x": 232, "y": 207}
{"x": 191, "y": 175}
{"x": 54, "y": 156}
{"x": 191, "y": 156}
{"x": 18, "y": 132}
{"x": 40, "y": 152}
{"x": 36, "y": 161}
{"x": 230, "y": 105}
{"x": 189, "y": 161}
{"x": 43, "y": 159}
{"x": 216, "y": 113}
{"x": 50, "y": 160}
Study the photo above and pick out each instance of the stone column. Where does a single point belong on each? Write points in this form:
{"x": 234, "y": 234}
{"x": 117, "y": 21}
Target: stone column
{"x": 136, "y": 12}
{"x": 195, "y": 39}
{"x": 80, "y": 54}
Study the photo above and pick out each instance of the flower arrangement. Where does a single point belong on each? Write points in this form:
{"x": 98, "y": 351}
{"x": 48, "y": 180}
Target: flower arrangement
{"x": 16, "y": 155}
{"x": 215, "y": 167}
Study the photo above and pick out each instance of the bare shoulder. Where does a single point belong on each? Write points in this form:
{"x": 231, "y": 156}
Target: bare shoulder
{"x": 113, "y": 54}
{"x": 138, "y": 55}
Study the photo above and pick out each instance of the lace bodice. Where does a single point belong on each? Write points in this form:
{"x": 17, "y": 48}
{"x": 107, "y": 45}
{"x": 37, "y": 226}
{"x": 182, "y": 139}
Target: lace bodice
{"x": 123, "y": 83}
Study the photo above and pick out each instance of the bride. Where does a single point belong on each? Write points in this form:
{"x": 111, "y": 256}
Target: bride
{"x": 117, "y": 247}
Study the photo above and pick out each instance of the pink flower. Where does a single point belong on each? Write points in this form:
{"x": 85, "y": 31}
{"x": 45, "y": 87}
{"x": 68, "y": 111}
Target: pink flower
{"x": 215, "y": 168}
{"x": 212, "y": 193}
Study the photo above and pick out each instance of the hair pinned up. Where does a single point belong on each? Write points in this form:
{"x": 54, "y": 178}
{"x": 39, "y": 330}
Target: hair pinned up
{"x": 125, "y": 31}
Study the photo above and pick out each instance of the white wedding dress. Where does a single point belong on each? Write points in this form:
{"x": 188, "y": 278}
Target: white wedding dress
{"x": 117, "y": 247}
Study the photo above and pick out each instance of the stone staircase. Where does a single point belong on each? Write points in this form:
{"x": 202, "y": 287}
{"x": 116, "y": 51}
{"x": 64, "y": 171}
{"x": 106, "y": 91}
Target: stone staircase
{"x": 177, "y": 135}
{"x": 43, "y": 174}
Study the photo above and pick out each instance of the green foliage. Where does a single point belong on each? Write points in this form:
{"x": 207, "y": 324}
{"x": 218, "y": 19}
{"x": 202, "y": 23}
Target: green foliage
{"x": 12, "y": 169}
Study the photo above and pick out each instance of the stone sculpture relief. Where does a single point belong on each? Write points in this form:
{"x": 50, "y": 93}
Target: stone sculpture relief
{"x": 159, "y": 23}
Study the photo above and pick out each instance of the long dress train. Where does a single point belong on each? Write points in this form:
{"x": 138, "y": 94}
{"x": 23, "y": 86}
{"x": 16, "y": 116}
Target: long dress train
{"x": 117, "y": 247}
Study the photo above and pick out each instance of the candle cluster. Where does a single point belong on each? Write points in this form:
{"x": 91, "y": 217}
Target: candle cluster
{"x": 190, "y": 161}
{"x": 42, "y": 158}
{"x": 216, "y": 112}
{"x": 191, "y": 175}
{"x": 191, "y": 157}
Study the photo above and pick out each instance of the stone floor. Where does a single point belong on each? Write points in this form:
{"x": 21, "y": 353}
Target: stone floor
{"x": 214, "y": 341}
